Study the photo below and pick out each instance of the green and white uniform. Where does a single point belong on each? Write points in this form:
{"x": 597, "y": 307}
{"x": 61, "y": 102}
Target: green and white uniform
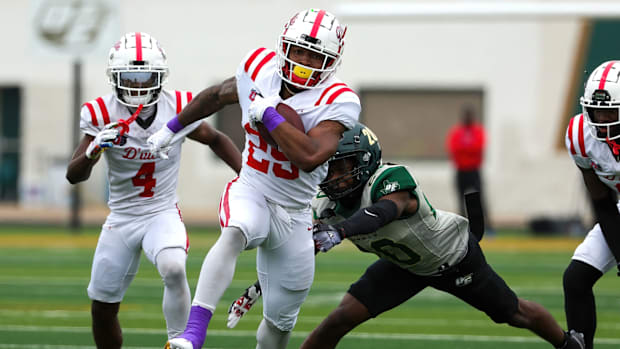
{"x": 424, "y": 243}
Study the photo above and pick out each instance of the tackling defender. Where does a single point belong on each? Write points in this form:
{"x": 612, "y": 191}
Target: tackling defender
{"x": 382, "y": 210}
{"x": 143, "y": 204}
{"x": 268, "y": 206}
{"x": 592, "y": 142}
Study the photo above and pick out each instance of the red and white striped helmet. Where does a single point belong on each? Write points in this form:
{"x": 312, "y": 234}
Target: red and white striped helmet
{"x": 137, "y": 69}
{"x": 315, "y": 30}
{"x": 602, "y": 91}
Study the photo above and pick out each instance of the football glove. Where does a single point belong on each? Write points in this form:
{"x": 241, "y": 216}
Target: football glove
{"x": 243, "y": 304}
{"x": 325, "y": 237}
{"x": 159, "y": 142}
{"x": 104, "y": 139}
{"x": 259, "y": 105}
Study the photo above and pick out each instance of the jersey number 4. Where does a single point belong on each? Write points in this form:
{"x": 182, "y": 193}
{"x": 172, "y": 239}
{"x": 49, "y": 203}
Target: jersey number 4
{"x": 144, "y": 178}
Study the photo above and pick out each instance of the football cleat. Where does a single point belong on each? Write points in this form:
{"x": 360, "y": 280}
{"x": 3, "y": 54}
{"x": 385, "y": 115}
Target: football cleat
{"x": 243, "y": 304}
{"x": 179, "y": 343}
{"x": 574, "y": 340}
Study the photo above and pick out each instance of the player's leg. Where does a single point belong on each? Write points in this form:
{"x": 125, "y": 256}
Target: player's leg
{"x": 245, "y": 222}
{"x": 382, "y": 287}
{"x": 475, "y": 282}
{"x": 115, "y": 264}
{"x": 106, "y": 327}
{"x": 176, "y": 300}
{"x": 165, "y": 244}
{"x": 269, "y": 336}
{"x": 285, "y": 267}
{"x": 592, "y": 258}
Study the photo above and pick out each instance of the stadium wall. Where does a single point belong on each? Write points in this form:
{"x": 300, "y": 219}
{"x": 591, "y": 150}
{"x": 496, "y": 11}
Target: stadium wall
{"x": 524, "y": 65}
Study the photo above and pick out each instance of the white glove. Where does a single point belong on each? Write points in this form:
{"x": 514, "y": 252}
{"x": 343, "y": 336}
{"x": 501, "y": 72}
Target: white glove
{"x": 159, "y": 142}
{"x": 325, "y": 237}
{"x": 243, "y": 304}
{"x": 104, "y": 139}
{"x": 259, "y": 105}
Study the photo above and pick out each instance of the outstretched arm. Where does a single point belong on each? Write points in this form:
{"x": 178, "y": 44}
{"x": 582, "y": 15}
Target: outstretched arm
{"x": 209, "y": 101}
{"x": 220, "y": 143}
{"x": 366, "y": 220}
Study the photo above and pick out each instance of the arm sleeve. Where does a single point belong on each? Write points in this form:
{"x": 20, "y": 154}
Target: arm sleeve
{"x": 368, "y": 220}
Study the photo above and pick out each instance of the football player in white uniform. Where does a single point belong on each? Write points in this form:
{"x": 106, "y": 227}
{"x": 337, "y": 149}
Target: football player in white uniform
{"x": 268, "y": 205}
{"x": 142, "y": 196}
{"x": 592, "y": 142}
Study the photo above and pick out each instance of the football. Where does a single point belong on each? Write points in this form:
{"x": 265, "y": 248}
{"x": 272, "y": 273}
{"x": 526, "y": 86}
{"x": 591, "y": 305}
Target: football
{"x": 290, "y": 115}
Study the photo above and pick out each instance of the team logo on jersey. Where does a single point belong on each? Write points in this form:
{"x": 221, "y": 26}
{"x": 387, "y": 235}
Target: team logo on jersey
{"x": 389, "y": 187}
{"x": 253, "y": 94}
{"x": 464, "y": 280}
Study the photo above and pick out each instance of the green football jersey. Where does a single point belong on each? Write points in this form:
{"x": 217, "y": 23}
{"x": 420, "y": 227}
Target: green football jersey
{"x": 424, "y": 243}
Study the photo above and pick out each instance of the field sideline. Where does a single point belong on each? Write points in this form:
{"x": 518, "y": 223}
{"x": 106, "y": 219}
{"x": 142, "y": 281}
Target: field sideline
{"x": 43, "y": 302}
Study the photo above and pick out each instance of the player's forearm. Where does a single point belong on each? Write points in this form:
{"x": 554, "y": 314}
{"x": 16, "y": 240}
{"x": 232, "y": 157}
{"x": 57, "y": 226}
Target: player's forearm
{"x": 303, "y": 151}
{"x": 79, "y": 169}
{"x": 209, "y": 101}
{"x": 226, "y": 150}
{"x": 368, "y": 220}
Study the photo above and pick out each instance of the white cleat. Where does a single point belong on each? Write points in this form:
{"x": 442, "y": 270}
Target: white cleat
{"x": 179, "y": 343}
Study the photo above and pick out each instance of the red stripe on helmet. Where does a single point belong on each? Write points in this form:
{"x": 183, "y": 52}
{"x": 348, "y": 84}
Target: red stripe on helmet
{"x": 138, "y": 46}
{"x": 261, "y": 64}
{"x": 179, "y": 105}
{"x": 337, "y": 93}
{"x": 189, "y": 97}
{"x": 327, "y": 90}
{"x": 601, "y": 84}
{"x": 104, "y": 111}
{"x": 317, "y": 23}
{"x": 582, "y": 143}
{"x": 252, "y": 58}
{"x": 570, "y": 136}
{"x": 93, "y": 115}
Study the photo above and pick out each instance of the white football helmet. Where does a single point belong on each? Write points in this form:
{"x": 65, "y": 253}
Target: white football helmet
{"x": 137, "y": 69}
{"x": 602, "y": 91}
{"x": 318, "y": 31}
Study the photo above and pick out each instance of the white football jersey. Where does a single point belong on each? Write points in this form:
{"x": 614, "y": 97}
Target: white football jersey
{"x": 266, "y": 168}
{"x": 590, "y": 153}
{"x": 139, "y": 182}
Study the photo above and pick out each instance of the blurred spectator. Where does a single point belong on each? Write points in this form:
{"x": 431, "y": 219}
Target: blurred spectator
{"x": 465, "y": 143}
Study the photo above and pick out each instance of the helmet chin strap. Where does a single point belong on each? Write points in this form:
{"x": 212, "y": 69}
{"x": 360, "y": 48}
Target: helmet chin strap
{"x": 615, "y": 147}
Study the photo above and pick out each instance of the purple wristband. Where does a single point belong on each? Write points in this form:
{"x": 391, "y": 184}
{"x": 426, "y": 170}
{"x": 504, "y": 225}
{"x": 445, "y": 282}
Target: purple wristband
{"x": 271, "y": 118}
{"x": 174, "y": 124}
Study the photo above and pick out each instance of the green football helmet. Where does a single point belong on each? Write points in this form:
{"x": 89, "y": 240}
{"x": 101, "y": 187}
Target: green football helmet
{"x": 360, "y": 149}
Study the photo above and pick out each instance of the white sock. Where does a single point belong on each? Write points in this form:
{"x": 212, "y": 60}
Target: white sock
{"x": 176, "y": 301}
{"x": 218, "y": 268}
{"x": 270, "y": 337}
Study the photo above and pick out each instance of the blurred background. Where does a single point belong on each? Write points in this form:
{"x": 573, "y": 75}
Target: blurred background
{"x": 415, "y": 65}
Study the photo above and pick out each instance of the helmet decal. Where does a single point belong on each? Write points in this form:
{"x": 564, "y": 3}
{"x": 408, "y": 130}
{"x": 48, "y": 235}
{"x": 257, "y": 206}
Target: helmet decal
{"x": 360, "y": 147}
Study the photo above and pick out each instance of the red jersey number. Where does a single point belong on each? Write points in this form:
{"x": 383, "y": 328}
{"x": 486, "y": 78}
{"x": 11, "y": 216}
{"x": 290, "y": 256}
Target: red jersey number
{"x": 144, "y": 178}
{"x": 263, "y": 165}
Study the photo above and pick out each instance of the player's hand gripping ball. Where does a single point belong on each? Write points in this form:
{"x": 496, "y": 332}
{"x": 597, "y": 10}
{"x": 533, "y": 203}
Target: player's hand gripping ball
{"x": 290, "y": 115}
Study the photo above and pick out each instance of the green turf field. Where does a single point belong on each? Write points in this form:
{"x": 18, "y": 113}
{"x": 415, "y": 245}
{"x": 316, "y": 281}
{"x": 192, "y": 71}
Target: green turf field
{"x": 43, "y": 301}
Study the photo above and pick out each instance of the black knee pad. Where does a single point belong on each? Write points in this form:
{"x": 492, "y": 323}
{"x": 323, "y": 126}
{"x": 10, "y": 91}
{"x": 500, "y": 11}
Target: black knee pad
{"x": 579, "y": 277}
